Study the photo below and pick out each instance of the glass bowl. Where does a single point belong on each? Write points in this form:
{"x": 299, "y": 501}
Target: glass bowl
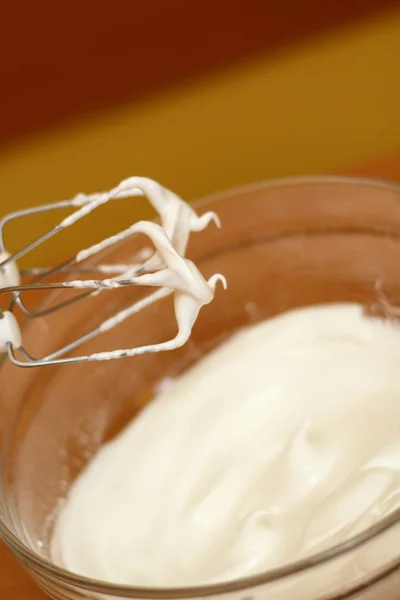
{"x": 283, "y": 244}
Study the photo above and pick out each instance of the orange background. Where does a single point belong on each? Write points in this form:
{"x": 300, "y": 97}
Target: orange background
{"x": 319, "y": 104}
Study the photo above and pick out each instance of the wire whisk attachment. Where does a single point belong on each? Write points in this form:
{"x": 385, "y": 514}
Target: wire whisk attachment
{"x": 165, "y": 268}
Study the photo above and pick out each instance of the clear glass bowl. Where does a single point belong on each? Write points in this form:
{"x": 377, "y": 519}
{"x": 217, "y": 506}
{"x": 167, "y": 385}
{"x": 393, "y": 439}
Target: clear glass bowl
{"x": 283, "y": 244}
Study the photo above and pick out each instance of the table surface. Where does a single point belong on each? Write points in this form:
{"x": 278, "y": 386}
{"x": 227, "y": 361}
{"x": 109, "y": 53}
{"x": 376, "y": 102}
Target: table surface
{"x": 14, "y": 582}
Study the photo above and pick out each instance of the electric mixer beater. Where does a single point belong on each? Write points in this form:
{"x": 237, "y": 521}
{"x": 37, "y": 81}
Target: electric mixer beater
{"x": 166, "y": 268}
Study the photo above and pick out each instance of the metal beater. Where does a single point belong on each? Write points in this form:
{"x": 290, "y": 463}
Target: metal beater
{"x": 165, "y": 268}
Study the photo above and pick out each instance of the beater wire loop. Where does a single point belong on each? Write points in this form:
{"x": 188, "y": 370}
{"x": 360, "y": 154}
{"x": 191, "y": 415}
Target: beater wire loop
{"x": 166, "y": 268}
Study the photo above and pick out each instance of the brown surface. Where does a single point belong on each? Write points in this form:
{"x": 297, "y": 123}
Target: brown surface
{"x": 14, "y": 583}
{"x": 386, "y": 167}
{"x": 64, "y": 59}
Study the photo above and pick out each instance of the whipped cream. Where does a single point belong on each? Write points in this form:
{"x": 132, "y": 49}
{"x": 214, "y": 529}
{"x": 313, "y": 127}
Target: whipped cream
{"x": 166, "y": 267}
{"x": 282, "y": 442}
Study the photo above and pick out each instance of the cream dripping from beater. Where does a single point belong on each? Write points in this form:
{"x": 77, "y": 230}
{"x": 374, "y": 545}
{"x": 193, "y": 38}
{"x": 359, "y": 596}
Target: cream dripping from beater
{"x": 166, "y": 268}
{"x": 282, "y": 442}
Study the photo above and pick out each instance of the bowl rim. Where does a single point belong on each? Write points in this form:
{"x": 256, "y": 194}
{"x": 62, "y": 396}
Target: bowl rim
{"x": 48, "y": 569}
{"x": 297, "y": 180}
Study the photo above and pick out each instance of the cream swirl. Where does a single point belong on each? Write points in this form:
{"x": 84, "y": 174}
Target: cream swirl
{"x": 282, "y": 442}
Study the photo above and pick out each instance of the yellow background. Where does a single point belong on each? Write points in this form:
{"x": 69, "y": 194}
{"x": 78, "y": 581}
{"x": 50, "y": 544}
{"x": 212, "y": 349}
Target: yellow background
{"x": 315, "y": 107}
